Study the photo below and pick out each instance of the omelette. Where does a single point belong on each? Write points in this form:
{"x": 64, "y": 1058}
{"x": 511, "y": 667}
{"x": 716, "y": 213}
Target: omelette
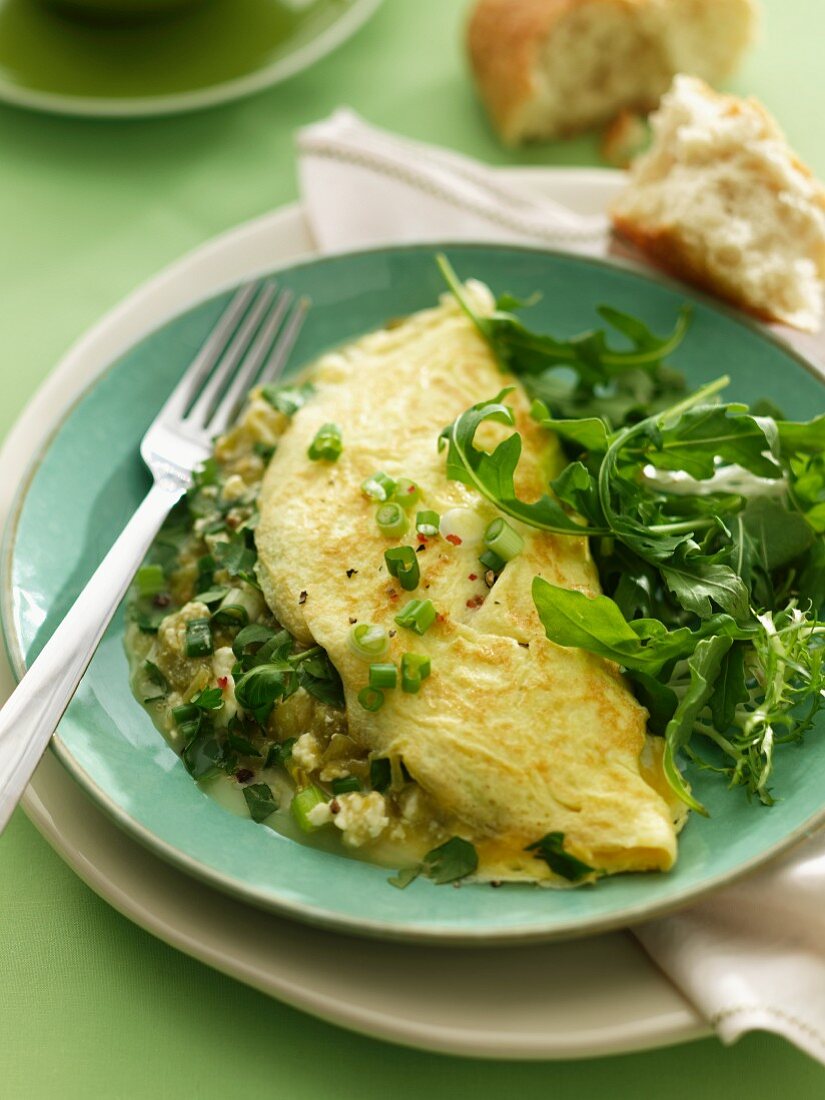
{"x": 510, "y": 738}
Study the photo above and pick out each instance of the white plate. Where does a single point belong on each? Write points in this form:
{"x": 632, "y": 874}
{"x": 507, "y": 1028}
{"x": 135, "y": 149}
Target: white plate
{"x": 605, "y": 995}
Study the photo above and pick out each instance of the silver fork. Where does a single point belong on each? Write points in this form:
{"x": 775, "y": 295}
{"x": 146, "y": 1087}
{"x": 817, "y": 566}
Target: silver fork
{"x": 250, "y": 343}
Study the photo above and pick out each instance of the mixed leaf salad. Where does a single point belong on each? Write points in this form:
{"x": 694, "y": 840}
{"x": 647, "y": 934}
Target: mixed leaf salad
{"x": 706, "y": 521}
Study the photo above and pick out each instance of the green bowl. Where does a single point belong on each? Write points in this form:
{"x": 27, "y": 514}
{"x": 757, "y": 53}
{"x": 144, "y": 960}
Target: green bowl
{"x": 89, "y": 479}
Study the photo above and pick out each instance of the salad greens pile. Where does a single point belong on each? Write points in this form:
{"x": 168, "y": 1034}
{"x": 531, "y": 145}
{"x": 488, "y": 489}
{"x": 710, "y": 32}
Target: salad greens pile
{"x": 706, "y": 521}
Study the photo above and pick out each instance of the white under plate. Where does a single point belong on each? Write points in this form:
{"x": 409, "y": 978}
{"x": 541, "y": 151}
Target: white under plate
{"x": 605, "y": 995}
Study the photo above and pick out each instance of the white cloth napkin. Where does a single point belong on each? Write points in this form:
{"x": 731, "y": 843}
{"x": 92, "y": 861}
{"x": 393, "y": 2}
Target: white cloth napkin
{"x": 753, "y": 955}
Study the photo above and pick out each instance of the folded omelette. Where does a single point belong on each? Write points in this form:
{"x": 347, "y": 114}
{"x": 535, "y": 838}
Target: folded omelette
{"x": 511, "y": 737}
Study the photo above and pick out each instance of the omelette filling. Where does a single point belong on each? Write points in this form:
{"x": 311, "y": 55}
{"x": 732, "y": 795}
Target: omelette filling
{"x": 341, "y": 642}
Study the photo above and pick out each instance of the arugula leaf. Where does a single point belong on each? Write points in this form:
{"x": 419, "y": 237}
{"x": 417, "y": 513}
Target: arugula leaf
{"x": 204, "y": 755}
{"x": 588, "y": 433}
{"x": 697, "y": 582}
{"x": 571, "y": 618}
{"x": 729, "y": 689}
{"x": 551, "y": 849}
{"x": 702, "y": 436}
{"x": 237, "y": 558}
{"x": 451, "y": 861}
{"x": 705, "y": 665}
{"x": 260, "y": 801}
{"x": 493, "y": 474}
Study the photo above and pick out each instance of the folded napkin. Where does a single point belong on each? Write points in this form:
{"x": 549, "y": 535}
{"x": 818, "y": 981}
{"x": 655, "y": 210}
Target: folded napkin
{"x": 753, "y": 955}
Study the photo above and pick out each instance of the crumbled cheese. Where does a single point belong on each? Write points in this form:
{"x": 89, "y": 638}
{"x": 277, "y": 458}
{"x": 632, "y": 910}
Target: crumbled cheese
{"x": 361, "y": 817}
{"x": 306, "y": 752}
{"x": 234, "y": 488}
{"x": 319, "y": 815}
{"x": 223, "y": 661}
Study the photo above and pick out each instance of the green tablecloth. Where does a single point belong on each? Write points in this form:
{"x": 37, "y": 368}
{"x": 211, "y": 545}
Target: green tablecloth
{"x": 91, "y": 1006}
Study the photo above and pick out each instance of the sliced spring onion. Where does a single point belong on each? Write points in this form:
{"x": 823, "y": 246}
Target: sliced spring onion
{"x": 380, "y": 773}
{"x": 414, "y": 668}
{"x": 379, "y": 486}
{"x": 417, "y": 615}
{"x": 402, "y": 564}
{"x": 186, "y": 712}
{"x": 150, "y": 580}
{"x": 427, "y": 523}
{"x": 383, "y": 674}
{"x": 391, "y": 519}
{"x": 407, "y": 493}
{"x": 239, "y": 607}
{"x": 302, "y": 803}
{"x": 327, "y": 444}
{"x": 503, "y": 539}
{"x": 198, "y": 638}
{"x": 371, "y": 698}
{"x": 490, "y": 560}
{"x": 346, "y": 784}
{"x": 368, "y": 641}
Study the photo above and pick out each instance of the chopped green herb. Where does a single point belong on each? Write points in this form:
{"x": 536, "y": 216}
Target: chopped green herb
{"x": 551, "y": 849}
{"x": 427, "y": 523}
{"x": 407, "y": 493}
{"x": 208, "y": 699}
{"x": 417, "y": 615}
{"x": 402, "y": 879}
{"x": 490, "y": 560}
{"x": 451, "y": 861}
{"x": 198, "y": 638}
{"x": 391, "y": 520}
{"x": 288, "y": 399}
{"x": 379, "y": 486}
{"x": 414, "y": 669}
{"x": 213, "y": 595}
{"x": 383, "y": 674}
{"x": 327, "y": 444}
{"x": 260, "y": 801}
{"x": 380, "y": 774}
{"x": 150, "y": 580}
{"x": 371, "y": 698}
{"x": 368, "y": 641}
{"x": 345, "y": 784}
{"x": 503, "y": 540}
{"x": 402, "y": 564}
{"x": 155, "y": 676}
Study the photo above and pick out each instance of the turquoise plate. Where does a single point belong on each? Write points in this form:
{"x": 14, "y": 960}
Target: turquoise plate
{"x": 89, "y": 479}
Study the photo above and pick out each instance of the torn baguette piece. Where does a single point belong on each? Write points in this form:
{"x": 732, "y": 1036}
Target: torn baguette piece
{"x": 721, "y": 200}
{"x": 549, "y": 68}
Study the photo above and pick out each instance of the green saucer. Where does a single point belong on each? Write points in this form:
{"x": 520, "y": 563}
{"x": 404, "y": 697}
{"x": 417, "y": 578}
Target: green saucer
{"x": 177, "y": 61}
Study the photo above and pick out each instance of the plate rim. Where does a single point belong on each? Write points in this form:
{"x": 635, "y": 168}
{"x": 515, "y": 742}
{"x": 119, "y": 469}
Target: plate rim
{"x": 225, "y": 91}
{"x": 285, "y": 229}
{"x": 398, "y": 931}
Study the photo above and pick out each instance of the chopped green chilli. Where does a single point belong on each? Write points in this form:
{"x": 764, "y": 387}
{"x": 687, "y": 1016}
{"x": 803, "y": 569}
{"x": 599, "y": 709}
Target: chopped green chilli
{"x": 327, "y": 444}
{"x": 417, "y": 615}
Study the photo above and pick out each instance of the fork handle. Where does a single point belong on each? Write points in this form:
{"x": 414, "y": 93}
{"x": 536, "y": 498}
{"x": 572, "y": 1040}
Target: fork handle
{"x": 33, "y": 710}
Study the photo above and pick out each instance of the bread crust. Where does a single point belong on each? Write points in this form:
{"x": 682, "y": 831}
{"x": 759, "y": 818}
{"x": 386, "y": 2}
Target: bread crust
{"x": 505, "y": 39}
{"x": 667, "y": 250}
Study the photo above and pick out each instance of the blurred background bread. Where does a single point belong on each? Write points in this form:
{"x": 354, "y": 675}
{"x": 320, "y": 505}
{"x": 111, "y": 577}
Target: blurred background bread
{"x": 549, "y": 68}
{"x": 721, "y": 199}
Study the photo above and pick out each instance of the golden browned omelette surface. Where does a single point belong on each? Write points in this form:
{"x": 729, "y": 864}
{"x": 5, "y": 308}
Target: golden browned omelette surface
{"x": 512, "y": 736}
